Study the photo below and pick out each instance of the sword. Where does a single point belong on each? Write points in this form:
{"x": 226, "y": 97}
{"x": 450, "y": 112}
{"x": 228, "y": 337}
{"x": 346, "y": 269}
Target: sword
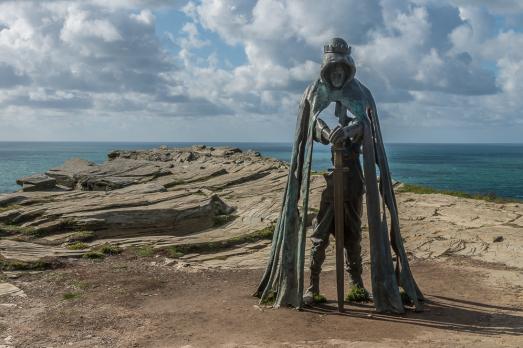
{"x": 339, "y": 214}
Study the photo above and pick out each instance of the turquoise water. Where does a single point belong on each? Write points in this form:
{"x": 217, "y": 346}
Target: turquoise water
{"x": 473, "y": 168}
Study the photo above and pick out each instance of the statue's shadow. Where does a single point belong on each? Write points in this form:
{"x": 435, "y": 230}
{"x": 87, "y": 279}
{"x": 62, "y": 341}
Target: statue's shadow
{"x": 442, "y": 313}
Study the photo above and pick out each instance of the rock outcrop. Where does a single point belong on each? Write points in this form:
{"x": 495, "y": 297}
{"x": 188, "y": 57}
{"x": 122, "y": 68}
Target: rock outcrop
{"x": 162, "y": 196}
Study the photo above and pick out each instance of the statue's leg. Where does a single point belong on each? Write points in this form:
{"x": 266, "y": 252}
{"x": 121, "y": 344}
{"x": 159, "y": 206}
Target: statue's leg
{"x": 323, "y": 225}
{"x": 352, "y": 240}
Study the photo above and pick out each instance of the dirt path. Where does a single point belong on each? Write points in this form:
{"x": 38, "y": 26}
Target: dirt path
{"x": 127, "y": 301}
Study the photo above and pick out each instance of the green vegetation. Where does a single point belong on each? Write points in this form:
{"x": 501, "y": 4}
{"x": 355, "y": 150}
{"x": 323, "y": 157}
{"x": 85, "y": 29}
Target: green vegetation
{"x": 176, "y": 251}
{"x": 220, "y": 220}
{"x": 269, "y": 300}
{"x": 93, "y": 255}
{"x": 144, "y": 251}
{"x": 26, "y": 231}
{"x": 319, "y": 298}
{"x": 9, "y": 207}
{"x": 489, "y": 197}
{"x": 77, "y": 246}
{"x": 81, "y": 236}
{"x": 358, "y": 294}
{"x": 109, "y": 249}
{"x": 71, "y": 295}
{"x": 81, "y": 285}
{"x": 16, "y": 265}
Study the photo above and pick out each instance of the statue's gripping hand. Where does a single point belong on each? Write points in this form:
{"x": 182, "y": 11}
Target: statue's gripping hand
{"x": 340, "y": 134}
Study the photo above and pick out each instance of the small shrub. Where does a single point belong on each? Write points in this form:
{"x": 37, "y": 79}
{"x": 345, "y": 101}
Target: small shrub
{"x": 71, "y": 295}
{"x": 319, "y": 298}
{"x": 16, "y": 265}
{"x": 109, "y": 249}
{"x": 270, "y": 299}
{"x": 220, "y": 220}
{"x": 358, "y": 294}
{"x": 93, "y": 255}
{"x": 77, "y": 246}
{"x": 175, "y": 251}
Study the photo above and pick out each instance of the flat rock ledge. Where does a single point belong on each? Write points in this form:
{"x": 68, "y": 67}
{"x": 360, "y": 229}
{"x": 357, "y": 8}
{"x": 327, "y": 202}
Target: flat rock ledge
{"x": 220, "y": 199}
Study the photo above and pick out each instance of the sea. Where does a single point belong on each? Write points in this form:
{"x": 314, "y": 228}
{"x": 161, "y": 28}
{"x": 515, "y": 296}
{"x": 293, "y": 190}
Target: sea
{"x": 472, "y": 168}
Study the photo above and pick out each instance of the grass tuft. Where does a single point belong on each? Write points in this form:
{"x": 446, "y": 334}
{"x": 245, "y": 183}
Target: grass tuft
{"x": 71, "y": 295}
{"x": 358, "y": 294}
{"x": 319, "y": 298}
{"x": 16, "y": 265}
{"x": 269, "y": 299}
{"x": 81, "y": 236}
{"x": 176, "y": 251}
{"x": 109, "y": 249}
{"x": 144, "y": 251}
{"x": 93, "y": 255}
{"x": 489, "y": 197}
{"x": 220, "y": 220}
{"x": 77, "y": 246}
{"x": 10, "y": 207}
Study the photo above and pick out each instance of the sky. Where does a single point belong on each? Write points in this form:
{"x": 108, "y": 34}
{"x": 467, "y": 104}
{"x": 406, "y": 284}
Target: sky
{"x": 234, "y": 70}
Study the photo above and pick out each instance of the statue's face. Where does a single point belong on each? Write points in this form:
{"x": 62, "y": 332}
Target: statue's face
{"x": 337, "y": 76}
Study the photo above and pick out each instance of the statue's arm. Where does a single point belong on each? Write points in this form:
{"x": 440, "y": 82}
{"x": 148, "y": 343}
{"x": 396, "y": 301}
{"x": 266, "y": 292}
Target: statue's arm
{"x": 322, "y": 132}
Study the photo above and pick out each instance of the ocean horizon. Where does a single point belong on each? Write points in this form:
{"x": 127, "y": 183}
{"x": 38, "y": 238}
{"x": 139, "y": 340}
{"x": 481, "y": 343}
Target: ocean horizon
{"x": 484, "y": 168}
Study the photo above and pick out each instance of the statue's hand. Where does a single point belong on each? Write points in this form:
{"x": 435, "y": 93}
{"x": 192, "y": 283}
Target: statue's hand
{"x": 339, "y": 134}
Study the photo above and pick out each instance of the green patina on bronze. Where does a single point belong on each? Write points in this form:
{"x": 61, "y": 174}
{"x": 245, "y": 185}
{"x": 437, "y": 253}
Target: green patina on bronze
{"x": 284, "y": 272}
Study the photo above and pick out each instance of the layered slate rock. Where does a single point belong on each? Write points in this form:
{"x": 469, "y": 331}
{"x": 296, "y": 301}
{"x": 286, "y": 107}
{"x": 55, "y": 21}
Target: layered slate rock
{"x": 162, "y": 196}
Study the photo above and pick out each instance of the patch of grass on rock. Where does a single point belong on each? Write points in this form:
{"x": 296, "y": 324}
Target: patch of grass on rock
{"x": 319, "y": 298}
{"x": 144, "y": 250}
{"x": 81, "y": 236}
{"x": 71, "y": 295}
{"x": 109, "y": 249}
{"x": 9, "y": 207}
{"x": 175, "y": 251}
{"x": 220, "y": 220}
{"x": 489, "y": 197}
{"x": 93, "y": 255}
{"x": 77, "y": 246}
{"x": 38, "y": 265}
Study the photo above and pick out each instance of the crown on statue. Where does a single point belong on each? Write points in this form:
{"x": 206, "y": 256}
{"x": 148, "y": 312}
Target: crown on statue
{"x": 337, "y": 45}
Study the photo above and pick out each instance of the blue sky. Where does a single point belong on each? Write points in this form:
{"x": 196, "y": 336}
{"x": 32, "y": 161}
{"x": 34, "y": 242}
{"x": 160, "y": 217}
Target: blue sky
{"x": 234, "y": 70}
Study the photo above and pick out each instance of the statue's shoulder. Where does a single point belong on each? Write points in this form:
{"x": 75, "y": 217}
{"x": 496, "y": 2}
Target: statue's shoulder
{"x": 360, "y": 87}
{"x": 312, "y": 88}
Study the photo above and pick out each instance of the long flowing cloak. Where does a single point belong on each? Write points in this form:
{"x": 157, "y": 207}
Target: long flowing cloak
{"x": 282, "y": 282}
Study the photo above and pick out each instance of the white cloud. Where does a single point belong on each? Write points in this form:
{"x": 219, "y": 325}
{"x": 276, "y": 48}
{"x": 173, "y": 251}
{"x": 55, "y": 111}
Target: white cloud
{"x": 433, "y": 64}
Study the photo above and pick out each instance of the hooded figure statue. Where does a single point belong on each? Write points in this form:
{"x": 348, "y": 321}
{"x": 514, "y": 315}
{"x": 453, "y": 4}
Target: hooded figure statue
{"x": 282, "y": 282}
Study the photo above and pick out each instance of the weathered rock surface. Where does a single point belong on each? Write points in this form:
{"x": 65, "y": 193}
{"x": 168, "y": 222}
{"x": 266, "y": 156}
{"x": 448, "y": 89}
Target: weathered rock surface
{"x": 162, "y": 196}
{"x": 37, "y": 182}
{"x": 202, "y": 194}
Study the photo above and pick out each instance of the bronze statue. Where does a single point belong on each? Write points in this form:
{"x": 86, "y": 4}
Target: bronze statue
{"x": 341, "y": 204}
